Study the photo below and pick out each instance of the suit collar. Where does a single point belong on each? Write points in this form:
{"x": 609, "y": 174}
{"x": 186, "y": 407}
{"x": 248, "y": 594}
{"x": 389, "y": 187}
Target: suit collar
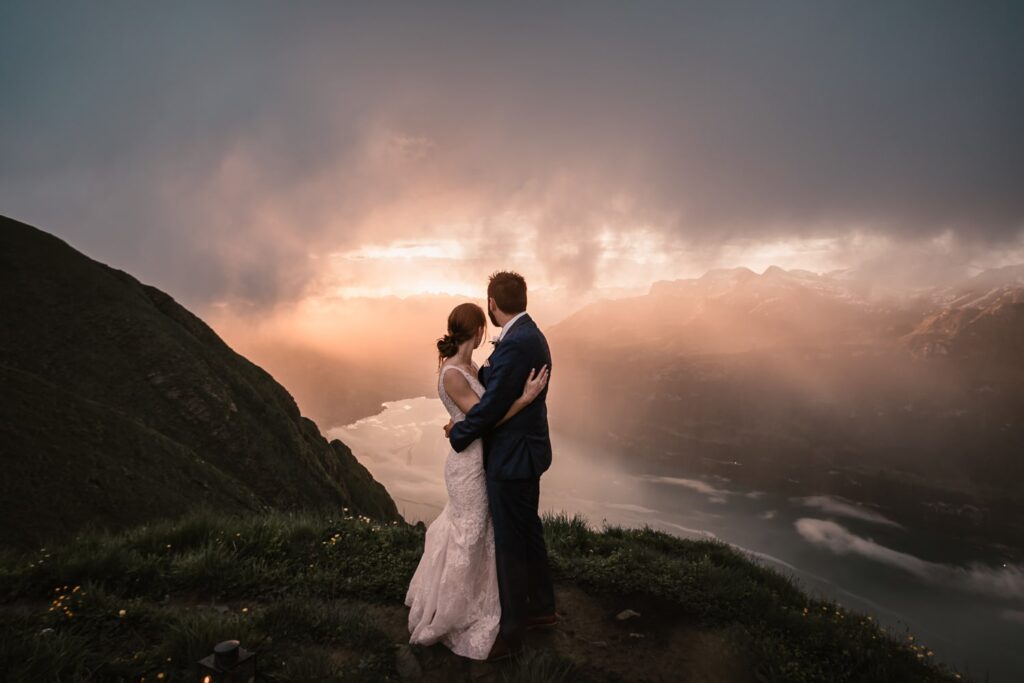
{"x": 511, "y": 323}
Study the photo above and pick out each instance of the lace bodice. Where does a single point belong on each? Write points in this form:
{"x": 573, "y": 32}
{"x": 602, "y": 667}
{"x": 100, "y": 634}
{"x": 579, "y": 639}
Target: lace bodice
{"x": 449, "y": 404}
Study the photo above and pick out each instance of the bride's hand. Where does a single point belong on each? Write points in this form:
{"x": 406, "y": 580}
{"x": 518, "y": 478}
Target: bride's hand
{"x": 535, "y": 384}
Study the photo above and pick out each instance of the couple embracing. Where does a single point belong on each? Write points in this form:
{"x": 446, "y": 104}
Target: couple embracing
{"x": 484, "y": 577}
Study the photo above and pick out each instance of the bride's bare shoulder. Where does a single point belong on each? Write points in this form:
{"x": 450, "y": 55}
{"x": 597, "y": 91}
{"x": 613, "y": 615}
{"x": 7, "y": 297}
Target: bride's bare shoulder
{"x": 455, "y": 383}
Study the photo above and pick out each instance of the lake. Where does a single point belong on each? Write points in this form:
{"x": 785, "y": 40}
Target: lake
{"x": 968, "y": 609}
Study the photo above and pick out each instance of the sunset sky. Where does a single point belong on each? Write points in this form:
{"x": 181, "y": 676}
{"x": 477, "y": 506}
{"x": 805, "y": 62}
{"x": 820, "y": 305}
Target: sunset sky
{"x": 260, "y": 156}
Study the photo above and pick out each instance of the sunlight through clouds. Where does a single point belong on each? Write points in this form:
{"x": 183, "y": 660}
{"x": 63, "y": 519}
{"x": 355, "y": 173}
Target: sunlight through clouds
{"x": 405, "y": 250}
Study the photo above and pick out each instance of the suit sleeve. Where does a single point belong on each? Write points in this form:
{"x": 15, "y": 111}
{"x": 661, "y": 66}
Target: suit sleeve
{"x": 505, "y": 379}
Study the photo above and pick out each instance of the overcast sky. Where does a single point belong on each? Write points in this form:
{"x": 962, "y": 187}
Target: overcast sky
{"x": 266, "y": 152}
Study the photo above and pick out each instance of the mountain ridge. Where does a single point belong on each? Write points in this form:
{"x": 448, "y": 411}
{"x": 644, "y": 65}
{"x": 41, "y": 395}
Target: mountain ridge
{"x": 82, "y": 338}
{"x": 840, "y": 297}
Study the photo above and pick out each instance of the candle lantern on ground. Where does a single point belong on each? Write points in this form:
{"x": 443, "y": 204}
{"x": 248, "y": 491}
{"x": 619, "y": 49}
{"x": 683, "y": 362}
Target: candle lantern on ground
{"x": 229, "y": 663}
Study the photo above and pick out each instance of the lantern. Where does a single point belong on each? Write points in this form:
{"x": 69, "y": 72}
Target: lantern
{"x": 229, "y": 663}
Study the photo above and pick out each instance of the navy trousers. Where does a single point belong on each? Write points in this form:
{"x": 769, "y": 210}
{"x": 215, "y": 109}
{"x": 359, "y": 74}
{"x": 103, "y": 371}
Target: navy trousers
{"x": 524, "y": 578}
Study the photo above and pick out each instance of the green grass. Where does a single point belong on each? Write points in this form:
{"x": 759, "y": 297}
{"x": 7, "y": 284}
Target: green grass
{"x": 787, "y": 635}
{"x": 302, "y": 586}
{"x": 302, "y": 577}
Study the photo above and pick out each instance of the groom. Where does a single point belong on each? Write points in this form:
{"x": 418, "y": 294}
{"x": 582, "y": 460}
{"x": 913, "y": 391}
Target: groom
{"x": 515, "y": 455}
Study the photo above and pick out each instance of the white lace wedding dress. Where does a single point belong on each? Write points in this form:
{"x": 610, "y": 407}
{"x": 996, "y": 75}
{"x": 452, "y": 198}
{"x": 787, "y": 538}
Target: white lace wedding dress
{"x": 453, "y": 595}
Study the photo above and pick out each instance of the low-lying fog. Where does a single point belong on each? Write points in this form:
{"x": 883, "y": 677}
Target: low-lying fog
{"x": 968, "y": 606}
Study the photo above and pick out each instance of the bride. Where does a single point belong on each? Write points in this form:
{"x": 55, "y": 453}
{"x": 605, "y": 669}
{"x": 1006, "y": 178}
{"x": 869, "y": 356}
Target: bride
{"x": 453, "y": 595}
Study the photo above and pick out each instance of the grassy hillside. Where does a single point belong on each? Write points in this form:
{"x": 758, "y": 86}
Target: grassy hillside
{"x": 320, "y": 598}
{"x": 120, "y": 406}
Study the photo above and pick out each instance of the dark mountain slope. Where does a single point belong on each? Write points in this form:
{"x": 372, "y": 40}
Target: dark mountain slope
{"x": 120, "y": 405}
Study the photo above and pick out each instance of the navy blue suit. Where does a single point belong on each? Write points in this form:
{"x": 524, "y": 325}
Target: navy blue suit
{"x": 516, "y": 454}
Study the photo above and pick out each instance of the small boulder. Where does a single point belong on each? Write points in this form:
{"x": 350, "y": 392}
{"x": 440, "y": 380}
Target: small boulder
{"x": 626, "y": 614}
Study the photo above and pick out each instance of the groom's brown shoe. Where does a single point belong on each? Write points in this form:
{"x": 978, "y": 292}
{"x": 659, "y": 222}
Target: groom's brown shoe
{"x": 546, "y": 621}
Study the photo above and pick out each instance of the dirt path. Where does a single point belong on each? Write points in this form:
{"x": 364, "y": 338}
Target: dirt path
{"x": 656, "y": 646}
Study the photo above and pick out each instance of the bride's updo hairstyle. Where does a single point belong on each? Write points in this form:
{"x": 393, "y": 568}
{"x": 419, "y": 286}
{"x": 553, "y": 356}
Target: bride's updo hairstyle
{"x": 463, "y": 323}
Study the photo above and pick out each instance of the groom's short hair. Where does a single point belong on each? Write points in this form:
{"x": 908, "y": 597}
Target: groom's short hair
{"x": 508, "y": 289}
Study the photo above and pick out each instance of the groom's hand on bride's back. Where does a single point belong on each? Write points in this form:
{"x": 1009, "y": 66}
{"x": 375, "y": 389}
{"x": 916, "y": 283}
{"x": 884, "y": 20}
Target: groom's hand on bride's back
{"x": 447, "y": 428}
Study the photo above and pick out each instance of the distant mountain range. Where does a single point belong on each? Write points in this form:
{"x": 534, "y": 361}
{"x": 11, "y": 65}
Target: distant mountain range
{"x": 981, "y": 319}
{"x": 733, "y": 310}
{"x": 740, "y": 311}
{"x": 120, "y": 406}
{"x": 794, "y": 380}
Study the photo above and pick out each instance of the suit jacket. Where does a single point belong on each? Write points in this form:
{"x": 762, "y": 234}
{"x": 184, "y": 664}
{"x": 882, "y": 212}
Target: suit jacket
{"x": 521, "y": 447}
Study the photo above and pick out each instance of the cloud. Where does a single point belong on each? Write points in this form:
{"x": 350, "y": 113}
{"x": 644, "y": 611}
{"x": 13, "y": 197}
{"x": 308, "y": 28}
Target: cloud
{"x": 695, "y": 484}
{"x": 845, "y": 508}
{"x": 212, "y": 149}
{"x": 629, "y": 507}
{"x": 1006, "y": 582}
{"x": 715, "y": 495}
